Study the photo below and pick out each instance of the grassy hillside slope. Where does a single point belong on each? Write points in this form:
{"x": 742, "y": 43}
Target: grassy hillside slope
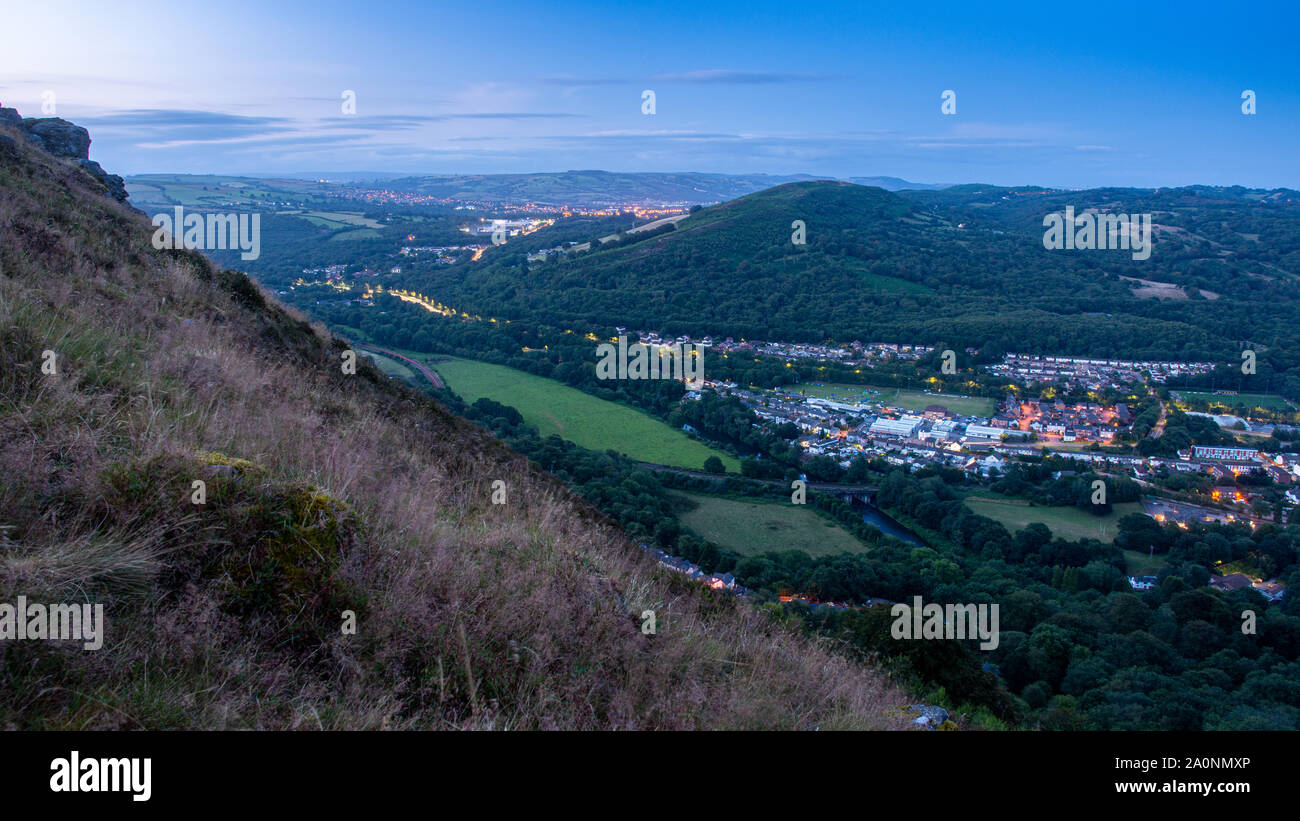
{"x": 585, "y": 420}
{"x": 965, "y": 267}
{"x": 325, "y": 492}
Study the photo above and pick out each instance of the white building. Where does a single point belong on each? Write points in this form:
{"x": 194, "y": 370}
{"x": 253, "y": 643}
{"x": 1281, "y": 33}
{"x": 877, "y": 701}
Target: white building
{"x": 990, "y": 432}
{"x": 1229, "y": 454}
{"x": 905, "y": 427}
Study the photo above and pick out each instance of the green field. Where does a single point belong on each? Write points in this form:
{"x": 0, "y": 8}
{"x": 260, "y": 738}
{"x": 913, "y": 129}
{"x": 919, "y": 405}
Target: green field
{"x": 900, "y": 398}
{"x": 1141, "y": 564}
{"x": 205, "y": 190}
{"x": 750, "y": 527}
{"x": 1068, "y": 523}
{"x": 1244, "y": 401}
{"x": 321, "y": 222}
{"x": 359, "y": 233}
{"x": 346, "y": 218}
{"x": 585, "y": 420}
{"x": 390, "y": 366}
{"x": 216, "y": 191}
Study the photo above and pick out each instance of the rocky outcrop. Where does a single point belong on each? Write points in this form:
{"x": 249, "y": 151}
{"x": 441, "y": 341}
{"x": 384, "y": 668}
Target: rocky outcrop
{"x": 58, "y": 137}
{"x": 8, "y": 147}
{"x": 116, "y": 185}
{"x": 931, "y": 718}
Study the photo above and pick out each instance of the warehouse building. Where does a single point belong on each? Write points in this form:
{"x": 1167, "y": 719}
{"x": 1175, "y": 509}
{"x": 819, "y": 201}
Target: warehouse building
{"x": 905, "y": 427}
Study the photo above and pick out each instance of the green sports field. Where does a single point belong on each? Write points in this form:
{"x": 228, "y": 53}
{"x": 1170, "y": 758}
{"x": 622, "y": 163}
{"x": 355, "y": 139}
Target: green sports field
{"x": 1142, "y": 564}
{"x": 1068, "y": 523}
{"x": 900, "y": 398}
{"x": 585, "y": 420}
{"x": 751, "y": 527}
{"x": 1243, "y": 401}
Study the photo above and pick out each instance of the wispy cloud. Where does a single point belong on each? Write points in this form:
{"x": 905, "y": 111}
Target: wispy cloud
{"x": 290, "y": 139}
{"x": 736, "y": 77}
{"x": 382, "y": 122}
{"x": 177, "y": 117}
{"x": 174, "y": 128}
{"x": 702, "y": 76}
{"x": 171, "y": 125}
{"x": 576, "y": 82}
{"x": 399, "y": 122}
{"x": 510, "y": 116}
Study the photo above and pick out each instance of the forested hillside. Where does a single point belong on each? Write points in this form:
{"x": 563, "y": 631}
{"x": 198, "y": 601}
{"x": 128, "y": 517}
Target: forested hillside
{"x": 965, "y": 266}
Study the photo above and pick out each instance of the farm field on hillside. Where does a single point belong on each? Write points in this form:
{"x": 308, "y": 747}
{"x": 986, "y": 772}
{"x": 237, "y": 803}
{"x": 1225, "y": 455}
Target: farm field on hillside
{"x": 585, "y": 420}
{"x": 900, "y": 398}
{"x": 1066, "y": 522}
{"x": 752, "y": 527}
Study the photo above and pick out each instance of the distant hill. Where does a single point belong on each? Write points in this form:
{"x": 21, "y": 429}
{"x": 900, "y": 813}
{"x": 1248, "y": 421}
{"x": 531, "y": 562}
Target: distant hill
{"x": 591, "y": 187}
{"x": 896, "y": 184}
{"x": 178, "y": 447}
{"x": 603, "y": 187}
{"x": 965, "y": 266}
{"x": 567, "y": 188}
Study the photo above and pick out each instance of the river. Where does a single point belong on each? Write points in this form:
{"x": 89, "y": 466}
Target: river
{"x": 877, "y": 518}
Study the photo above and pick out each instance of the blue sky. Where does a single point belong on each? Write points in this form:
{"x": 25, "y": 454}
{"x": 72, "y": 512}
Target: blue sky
{"x": 1058, "y": 94}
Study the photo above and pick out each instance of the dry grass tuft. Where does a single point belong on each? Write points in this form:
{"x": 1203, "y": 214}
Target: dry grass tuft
{"x": 324, "y": 493}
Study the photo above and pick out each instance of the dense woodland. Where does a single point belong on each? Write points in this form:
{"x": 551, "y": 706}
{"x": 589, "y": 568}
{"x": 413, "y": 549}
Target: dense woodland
{"x": 962, "y": 267}
{"x": 1079, "y": 649}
